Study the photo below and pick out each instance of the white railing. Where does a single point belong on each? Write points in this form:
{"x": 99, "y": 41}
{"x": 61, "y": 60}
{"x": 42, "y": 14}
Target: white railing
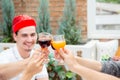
{"x": 88, "y": 50}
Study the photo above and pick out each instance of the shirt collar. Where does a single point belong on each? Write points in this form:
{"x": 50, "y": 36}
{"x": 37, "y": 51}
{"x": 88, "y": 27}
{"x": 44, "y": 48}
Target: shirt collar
{"x": 17, "y": 55}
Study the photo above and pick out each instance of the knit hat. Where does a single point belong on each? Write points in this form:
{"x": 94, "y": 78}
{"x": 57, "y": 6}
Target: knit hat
{"x": 22, "y": 21}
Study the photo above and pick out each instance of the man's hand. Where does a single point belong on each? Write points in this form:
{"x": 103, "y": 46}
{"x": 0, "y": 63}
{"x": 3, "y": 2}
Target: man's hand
{"x": 34, "y": 65}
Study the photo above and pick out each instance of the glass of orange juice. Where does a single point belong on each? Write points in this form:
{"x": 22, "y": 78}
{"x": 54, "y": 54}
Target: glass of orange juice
{"x": 58, "y": 41}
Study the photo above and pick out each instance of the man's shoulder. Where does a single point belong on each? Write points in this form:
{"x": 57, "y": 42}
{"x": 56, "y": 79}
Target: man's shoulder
{"x": 7, "y": 56}
{"x": 7, "y": 51}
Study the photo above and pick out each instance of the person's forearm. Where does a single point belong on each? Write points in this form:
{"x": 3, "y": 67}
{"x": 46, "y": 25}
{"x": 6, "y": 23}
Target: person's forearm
{"x": 92, "y": 64}
{"x": 89, "y": 74}
{"x": 10, "y": 70}
{"x": 2, "y": 77}
{"x": 26, "y": 76}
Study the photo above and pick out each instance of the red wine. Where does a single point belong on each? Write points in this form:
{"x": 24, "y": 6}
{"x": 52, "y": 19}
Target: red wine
{"x": 44, "y": 43}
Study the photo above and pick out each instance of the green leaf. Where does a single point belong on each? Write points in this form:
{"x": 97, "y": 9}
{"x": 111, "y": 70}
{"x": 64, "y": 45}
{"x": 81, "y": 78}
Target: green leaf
{"x": 62, "y": 75}
{"x": 69, "y": 74}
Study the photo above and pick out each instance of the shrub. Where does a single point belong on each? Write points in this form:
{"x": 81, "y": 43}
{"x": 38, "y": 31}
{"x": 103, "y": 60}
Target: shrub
{"x": 8, "y": 14}
{"x": 43, "y": 21}
{"x": 67, "y": 24}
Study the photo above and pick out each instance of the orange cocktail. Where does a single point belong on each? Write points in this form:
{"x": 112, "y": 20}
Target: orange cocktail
{"x": 58, "y": 44}
{"x": 58, "y": 41}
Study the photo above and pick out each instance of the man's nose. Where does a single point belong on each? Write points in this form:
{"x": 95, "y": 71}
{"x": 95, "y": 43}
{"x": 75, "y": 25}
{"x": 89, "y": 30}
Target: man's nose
{"x": 29, "y": 38}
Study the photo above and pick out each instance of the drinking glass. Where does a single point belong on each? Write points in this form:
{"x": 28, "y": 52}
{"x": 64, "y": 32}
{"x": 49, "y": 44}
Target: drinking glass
{"x": 44, "y": 40}
{"x": 58, "y": 41}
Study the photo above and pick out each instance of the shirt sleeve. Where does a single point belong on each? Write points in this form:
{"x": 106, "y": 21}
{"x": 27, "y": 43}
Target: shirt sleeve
{"x": 4, "y": 58}
{"x": 111, "y": 67}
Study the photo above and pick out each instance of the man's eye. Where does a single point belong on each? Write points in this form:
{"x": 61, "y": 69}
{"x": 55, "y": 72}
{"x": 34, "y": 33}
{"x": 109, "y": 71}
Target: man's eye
{"x": 32, "y": 35}
{"x": 24, "y": 35}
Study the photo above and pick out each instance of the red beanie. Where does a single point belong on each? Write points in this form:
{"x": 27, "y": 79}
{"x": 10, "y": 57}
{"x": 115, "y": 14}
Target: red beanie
{"x": 22, "y": 21}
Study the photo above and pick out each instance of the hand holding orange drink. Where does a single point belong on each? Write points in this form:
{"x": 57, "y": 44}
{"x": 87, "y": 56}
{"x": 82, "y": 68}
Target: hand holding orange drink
{"x": 57, "y": 42}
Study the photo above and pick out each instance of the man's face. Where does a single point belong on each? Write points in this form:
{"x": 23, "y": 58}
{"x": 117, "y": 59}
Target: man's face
{"x": 26, "y": 38}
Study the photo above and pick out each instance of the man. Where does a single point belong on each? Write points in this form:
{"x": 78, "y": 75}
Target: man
{"x": 24, "y": 33}
{"x": 89, "y": 69}
{"x": 29, "y": 66}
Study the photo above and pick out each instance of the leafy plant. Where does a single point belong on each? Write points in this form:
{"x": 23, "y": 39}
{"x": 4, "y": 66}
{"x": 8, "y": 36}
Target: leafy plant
{"x": 67, "y": 24}
{"x": 58, "y": 72}
{"x": 8, "y": 14}
{"x": 105, "y": 57}
{"x": 44, "y": 17}
{"x": 109, "y": 1}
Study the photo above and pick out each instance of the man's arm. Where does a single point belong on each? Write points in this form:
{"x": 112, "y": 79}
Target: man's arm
{"x": 89, "y": 74}
{"x": 10, "y": 70}
{"x": 30, "y": 66}
{"x": 86, "y": 70}
{"x": 92, "y": 64}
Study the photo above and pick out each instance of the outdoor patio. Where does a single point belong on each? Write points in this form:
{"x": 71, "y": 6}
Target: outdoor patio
{"x": 91, "y": 27}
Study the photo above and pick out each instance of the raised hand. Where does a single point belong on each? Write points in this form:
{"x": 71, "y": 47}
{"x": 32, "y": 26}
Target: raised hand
{"x": 35, "y": 65}
{"x": 68, "y": 58}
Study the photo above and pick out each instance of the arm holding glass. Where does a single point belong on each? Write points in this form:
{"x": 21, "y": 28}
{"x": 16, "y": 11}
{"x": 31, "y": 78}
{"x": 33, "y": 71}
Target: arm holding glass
{"x": 10, "y": 70}
{"x": 29, "y": 66}
{"x": 84, "y": 69}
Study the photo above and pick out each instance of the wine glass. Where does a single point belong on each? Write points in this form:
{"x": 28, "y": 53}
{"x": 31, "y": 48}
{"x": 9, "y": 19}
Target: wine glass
{"x": 44, "y": 40}
{"x": 58, "y": 41}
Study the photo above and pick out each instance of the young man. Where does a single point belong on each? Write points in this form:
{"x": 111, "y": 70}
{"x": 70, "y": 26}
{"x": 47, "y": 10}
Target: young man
{"x": 24, "y": 33}
{"x": 89, "y": 69}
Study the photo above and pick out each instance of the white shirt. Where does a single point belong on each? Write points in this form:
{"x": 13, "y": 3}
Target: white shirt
{"x": 12, "y": 55}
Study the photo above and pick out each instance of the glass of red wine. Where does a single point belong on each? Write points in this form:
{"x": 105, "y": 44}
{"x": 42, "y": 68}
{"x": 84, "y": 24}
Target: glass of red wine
{"x": 44, "y": 40}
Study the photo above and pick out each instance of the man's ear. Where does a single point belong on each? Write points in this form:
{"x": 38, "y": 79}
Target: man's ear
{"x": 14, "y": 36}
